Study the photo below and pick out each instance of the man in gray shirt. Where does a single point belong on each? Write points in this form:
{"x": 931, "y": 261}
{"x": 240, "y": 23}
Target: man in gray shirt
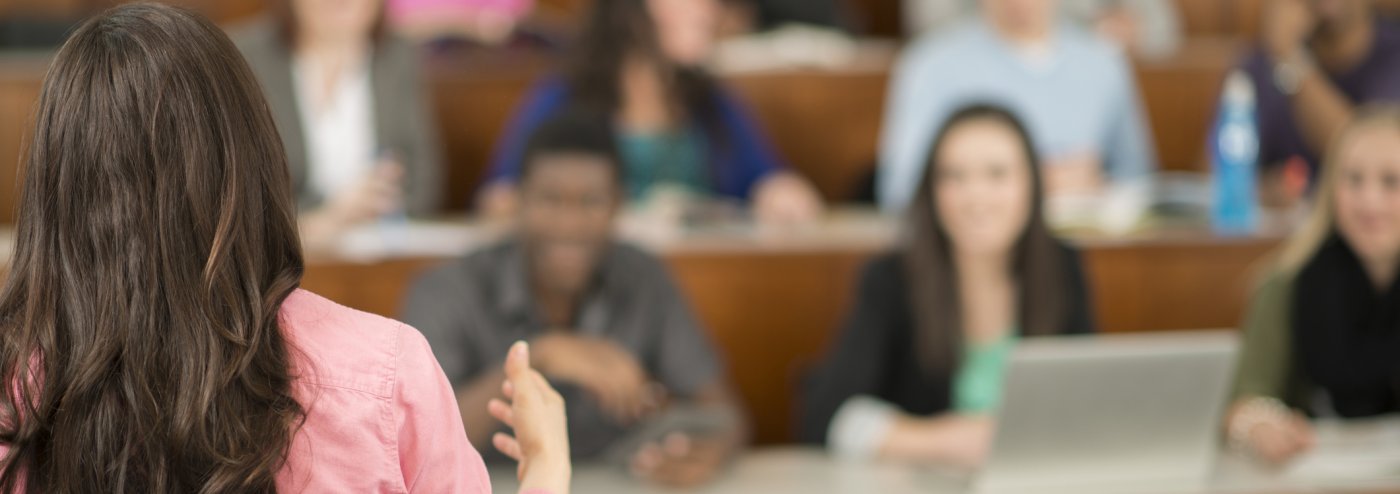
{"x": 606, "y": 324}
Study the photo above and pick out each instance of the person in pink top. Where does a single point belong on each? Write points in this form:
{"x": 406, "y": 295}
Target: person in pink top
{"x": 152, "y": 332}
{"x": 488, "y": 21}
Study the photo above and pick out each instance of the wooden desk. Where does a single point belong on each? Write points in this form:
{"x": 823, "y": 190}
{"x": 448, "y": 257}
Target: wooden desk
{"x": 772, "y": 303}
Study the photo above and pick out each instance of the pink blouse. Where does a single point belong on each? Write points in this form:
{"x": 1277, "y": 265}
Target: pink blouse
{"x": 381, "y": 416}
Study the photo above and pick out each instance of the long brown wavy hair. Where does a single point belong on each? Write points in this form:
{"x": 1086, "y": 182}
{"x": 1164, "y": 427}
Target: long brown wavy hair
{"x": 1038, "y": 258}
{"x": 139, "y": 338}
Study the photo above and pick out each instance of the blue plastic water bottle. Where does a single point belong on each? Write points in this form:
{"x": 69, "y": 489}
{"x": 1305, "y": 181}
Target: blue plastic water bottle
{"x": 1235, "y": 154}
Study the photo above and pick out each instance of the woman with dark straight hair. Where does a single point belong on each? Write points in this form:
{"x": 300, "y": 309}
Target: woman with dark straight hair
{"x": 642, "y": 63}
{"x": 917, "y": 371}
{"x": 152, "y": 335}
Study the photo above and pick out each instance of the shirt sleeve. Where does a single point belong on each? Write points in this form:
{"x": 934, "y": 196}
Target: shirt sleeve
{"x": 424, "y": 178}
{"x": 859, "y": 360}
{"x": 912, "y": 113}
{"x": 1265, "y": 365}
{"x": 1130, "y": 154}
{"x": 686, "y": 360}
{"x": 434, "y": 453}
{"x": 438, "y": 310}
{"x": 860, "y": 426}
{"x": 754, "y": 156}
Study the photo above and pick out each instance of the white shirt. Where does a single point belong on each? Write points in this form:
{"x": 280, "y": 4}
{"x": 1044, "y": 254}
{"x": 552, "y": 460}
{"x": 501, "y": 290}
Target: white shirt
{"x": 340, "y": 141}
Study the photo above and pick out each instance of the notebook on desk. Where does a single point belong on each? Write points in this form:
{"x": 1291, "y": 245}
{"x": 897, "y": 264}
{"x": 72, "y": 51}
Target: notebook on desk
{"x": 1123, "y": 414}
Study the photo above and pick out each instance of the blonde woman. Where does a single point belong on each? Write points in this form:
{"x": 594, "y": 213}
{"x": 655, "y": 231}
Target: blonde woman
{"x": 1322, "y": 336}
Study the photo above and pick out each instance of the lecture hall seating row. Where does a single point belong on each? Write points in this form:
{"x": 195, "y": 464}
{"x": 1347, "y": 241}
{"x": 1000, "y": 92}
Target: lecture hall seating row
{"x": 874, "y": 17}
{"x": 824, "y": 122}
{"x": 773, "y": 310}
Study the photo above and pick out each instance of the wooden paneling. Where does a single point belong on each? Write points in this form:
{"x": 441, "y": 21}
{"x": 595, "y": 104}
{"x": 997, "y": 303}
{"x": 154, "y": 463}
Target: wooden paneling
{"x": 221, "y": 11}
{"x": 1174, "y": 285}
{"x": 1248, "y": 14}
{"x": 825, "y": 123}
{"x": 473, "y": 112}
{"x": 17, "y": 97}
{"x": 773, "y": 312}
{"x": 882, "y": 18}
{"x": 1206, "y": 17}
{"x": 1180, "y": 94}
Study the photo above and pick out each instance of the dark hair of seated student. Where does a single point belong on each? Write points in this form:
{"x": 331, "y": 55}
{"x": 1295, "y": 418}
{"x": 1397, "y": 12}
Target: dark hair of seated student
{"x": 619, "y": 29}
{"x": 573, "y": 132}
{"x": 1039, "y": 259}
{"x": 903, "y": 341}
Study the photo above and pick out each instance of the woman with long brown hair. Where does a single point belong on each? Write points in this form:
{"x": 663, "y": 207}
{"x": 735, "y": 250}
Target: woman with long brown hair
{"x": 917, "y": 371}
{"x": 152, "y": 335}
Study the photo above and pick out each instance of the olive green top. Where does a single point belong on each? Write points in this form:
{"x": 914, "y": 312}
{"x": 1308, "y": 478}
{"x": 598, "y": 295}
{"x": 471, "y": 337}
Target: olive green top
{"x": 1265, "y": 365}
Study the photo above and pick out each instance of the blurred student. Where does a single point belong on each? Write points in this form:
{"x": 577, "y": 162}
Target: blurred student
{"x": 606, "y": 321}
{"x": 917, "y": 371}
{"x": 1075, "y": 92}
{"x": 641, "y": 61}
{"x": 765, "y": 15}
{"x": 154, "y": 339}
{"x": 1323, "y": 331}
{"x": 1318, "y": 61}
{"x": 350, "y": 104}
{"x": 1149, "y": 28}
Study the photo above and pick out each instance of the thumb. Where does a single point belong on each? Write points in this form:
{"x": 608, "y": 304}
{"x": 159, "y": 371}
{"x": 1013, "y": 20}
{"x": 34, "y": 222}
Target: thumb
{"x": 518, "y": 360}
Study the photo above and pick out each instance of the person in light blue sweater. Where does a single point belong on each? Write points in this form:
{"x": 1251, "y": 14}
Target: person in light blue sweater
{"x": 1076, "y": 92}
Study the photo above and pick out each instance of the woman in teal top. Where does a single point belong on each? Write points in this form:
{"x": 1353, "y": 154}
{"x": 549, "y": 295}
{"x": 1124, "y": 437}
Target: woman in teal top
{"x": 642, "y": 62}
{"x": 675, "y": 158}
{"x": 917, "y": 371}
{"x": 977, "y": 385}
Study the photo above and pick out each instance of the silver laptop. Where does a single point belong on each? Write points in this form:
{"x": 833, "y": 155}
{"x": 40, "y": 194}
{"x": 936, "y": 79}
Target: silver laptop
{"x": 1111, "y": 413}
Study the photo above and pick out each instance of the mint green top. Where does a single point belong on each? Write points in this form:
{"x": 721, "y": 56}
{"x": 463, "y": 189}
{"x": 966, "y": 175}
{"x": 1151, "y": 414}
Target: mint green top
{"x": 977, "y": 385}
{"x": 668, "y": 157}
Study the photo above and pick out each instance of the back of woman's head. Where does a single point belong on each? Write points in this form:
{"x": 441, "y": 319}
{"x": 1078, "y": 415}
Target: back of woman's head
{"x": 156, "y": 242}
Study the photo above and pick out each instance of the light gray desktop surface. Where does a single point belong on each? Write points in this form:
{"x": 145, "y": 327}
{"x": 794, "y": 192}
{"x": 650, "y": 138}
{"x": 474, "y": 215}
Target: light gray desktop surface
{"x": 1360, "y": 457}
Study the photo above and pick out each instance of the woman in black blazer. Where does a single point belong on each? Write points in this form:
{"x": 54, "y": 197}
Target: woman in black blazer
{"x": 917, "y": 369}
